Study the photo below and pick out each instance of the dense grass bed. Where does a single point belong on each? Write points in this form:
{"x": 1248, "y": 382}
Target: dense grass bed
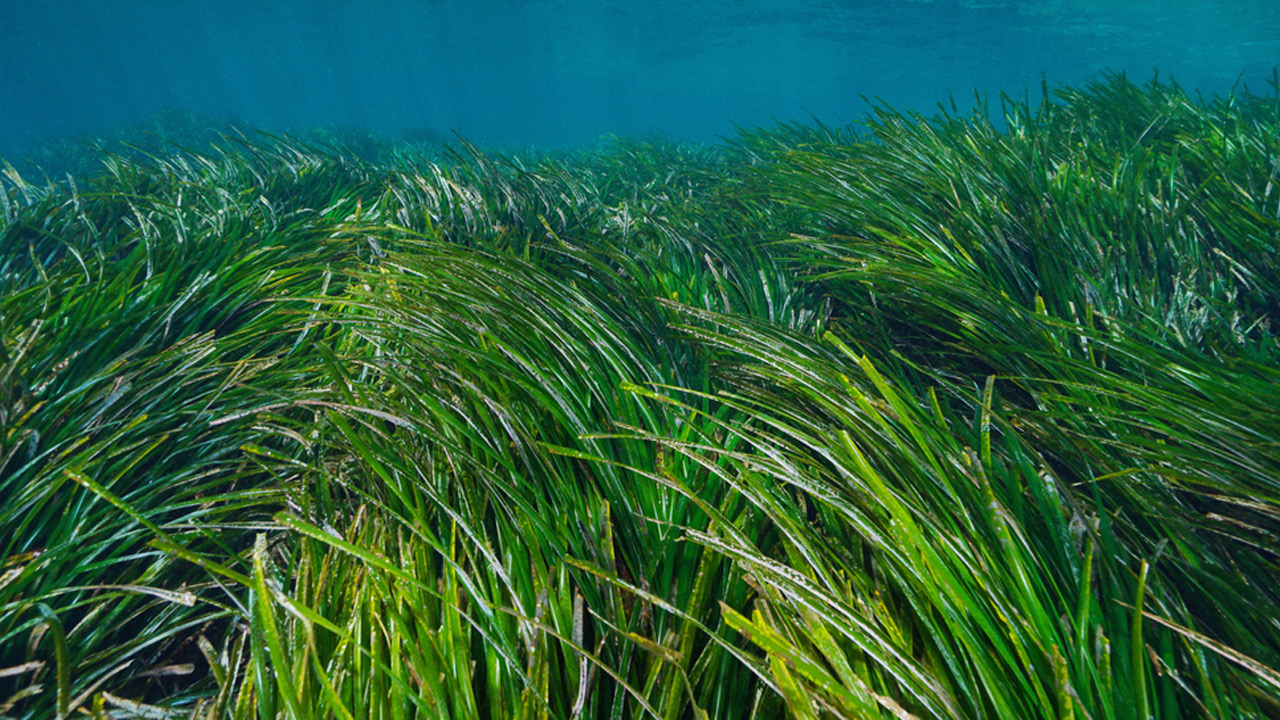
{"x": 971, "y": 416}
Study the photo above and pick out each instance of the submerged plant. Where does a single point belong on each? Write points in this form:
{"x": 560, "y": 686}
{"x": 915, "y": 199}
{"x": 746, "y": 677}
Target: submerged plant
{"x": 962, "y": 416}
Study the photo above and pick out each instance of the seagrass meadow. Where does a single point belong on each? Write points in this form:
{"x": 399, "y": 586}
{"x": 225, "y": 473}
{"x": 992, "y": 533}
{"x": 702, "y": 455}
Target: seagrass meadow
{"x": 963, "y": 416}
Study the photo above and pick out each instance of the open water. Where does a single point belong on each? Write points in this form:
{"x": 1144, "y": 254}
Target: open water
{"x": 556, "y": 73}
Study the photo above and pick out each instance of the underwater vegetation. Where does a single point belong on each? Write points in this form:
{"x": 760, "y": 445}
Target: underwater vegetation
{"x": 964, "y": 416}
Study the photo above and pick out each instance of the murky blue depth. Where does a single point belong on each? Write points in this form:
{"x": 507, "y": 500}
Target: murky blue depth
{"x": 564, "y": 72}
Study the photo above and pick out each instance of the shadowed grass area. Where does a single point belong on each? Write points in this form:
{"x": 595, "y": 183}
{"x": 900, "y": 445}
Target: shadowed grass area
{"x": 963, "y": 416}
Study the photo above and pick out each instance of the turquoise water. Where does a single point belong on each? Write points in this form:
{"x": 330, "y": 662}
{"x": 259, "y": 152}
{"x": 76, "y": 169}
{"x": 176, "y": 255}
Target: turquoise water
{"x": 564, "y": 72}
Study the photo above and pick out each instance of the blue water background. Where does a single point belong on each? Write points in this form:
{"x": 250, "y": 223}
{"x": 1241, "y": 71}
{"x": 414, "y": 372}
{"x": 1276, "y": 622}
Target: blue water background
{"x": 556, "y": 73}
